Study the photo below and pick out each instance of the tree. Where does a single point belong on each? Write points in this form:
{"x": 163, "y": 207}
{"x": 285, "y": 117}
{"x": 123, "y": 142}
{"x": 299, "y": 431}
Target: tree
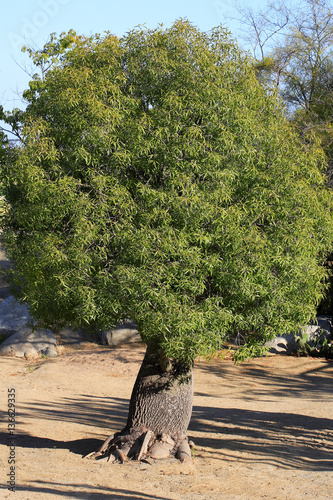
{"x": 4, "y": 151}
{"x": 292, "y": 46}
{"x": 3, "y": 144}
{"x": 2, "y": 155}
{"x": 293, "y": 50}
{"x": 158, "y": 181}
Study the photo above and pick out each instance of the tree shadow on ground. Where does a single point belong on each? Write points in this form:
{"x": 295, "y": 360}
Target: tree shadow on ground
{"x": 100, "y": 413}
{"x": 286, "y": 440}
{"x": 86, "y": 492}
{"x": 77, "y": 446}
{"x": 97, "y": 412}
{"x": 304, "y": 378}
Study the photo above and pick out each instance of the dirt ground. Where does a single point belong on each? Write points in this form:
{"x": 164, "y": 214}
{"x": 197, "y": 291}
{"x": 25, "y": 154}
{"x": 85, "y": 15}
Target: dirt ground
{"x": 262, "y": 429}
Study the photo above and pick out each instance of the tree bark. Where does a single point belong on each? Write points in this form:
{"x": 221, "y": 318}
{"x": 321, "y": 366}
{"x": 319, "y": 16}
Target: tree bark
{"x": 159, "y": 413}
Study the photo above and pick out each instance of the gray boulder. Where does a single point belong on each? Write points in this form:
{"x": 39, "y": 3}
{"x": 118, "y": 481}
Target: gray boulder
{"x": 287, "y": 344}
{"x": 278, "y": 345}
{"x": 70, "y": 336}
{"x": 28, "y": 344}
{"x": 322, "y": 327}
{"x": 13, "y": 315}
{"x": 122, "y": 334}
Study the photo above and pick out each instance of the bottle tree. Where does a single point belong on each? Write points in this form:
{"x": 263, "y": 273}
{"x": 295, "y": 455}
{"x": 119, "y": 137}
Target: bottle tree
{"x": 157, "y": 180}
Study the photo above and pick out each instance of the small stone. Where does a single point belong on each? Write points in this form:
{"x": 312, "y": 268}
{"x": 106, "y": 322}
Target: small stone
{"x": 160, "y": 450}
{"x": 50, "y": 352}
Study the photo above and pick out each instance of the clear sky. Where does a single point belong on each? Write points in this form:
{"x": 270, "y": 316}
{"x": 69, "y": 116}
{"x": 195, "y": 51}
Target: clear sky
{"x": 31, "y": 22}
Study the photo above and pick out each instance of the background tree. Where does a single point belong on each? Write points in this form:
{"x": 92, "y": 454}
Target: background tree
{"x": 293, "y": 50}
{"x": 3, "y": 144}
{"x": 292, "y": 46}
{"x": 3, "y": 147}
{"x": 5, "y": 150}
{"x": 157, "y": 180}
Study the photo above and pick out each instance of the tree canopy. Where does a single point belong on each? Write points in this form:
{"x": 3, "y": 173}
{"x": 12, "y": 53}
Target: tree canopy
{"x": 158, "y": 180}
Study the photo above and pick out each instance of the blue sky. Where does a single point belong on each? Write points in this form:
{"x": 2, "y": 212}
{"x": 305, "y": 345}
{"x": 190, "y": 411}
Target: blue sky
{"x": 31, "y": 21}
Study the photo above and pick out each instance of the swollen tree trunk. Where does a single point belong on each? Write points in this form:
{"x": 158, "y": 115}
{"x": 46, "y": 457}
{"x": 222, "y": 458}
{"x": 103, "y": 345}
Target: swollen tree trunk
{"x": 159, "y": 413}
{"x": 162, "y": 397}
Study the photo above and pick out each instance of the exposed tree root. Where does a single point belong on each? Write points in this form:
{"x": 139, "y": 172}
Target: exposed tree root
{"x": 184, "y": 452}
{"x": 142, "y": 445}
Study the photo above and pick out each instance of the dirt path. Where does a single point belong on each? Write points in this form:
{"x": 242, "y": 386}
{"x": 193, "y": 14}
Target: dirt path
{"x": 262, "y": 430}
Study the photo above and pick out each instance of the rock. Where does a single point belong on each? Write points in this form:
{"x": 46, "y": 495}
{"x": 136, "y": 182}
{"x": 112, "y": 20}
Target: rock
{"x": 70, "y": 336}
{"x": 323, "y": 327}
{"x": 122, "y": 334}
{"x": 28, "y": 344}
{"x": 283, "y": 345}
{"x": 50, "y": 352}
{"x": 279, "y": 345}
{"x": 13, "y": 315}
{"x": 287, "y": 344}
{"x": 160, "y": 450}
{"x": 4, "y": 332}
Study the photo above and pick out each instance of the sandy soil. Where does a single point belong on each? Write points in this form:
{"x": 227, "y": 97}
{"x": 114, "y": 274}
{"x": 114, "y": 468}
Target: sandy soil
{"x": 262, "y": 429}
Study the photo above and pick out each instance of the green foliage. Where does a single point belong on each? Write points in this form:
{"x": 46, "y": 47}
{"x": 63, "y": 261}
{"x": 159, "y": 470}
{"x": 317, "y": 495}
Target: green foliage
{"x": 158, "y": 181}
{"x": 51, "y": 54}
{"x": 3, "y": 153}
{"x": 250, "y": 350}
{"x": 264, "y": 68}
{"x": 320, "y": 346}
